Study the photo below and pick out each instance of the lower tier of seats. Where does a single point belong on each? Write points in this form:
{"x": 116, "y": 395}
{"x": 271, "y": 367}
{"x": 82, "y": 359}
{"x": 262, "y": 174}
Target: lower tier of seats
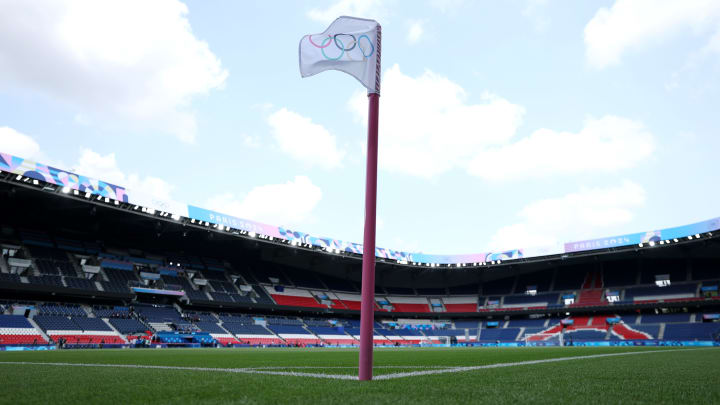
{"x": 88, "y": 339}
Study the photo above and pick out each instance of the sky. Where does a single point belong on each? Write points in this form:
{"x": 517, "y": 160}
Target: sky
{"x": 503, "y": 125}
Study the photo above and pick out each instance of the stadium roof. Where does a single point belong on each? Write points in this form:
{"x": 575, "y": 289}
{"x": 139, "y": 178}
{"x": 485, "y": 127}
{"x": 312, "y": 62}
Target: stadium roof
{"x": 50, "y": 179}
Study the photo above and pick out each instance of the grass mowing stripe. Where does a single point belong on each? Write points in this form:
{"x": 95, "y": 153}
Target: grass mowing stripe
{"x": 519, "y": 363}
{"x": 268, "y": 370}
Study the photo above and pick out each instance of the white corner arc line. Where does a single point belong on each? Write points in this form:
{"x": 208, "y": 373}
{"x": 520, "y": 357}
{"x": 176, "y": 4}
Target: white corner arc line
{"x": 212, "y": 369}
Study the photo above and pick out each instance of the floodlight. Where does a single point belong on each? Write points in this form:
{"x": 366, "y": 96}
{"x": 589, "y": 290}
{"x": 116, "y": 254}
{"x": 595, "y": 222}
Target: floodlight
{"x": 675, "y": 239}
{"x": 35, "y": 182}
{"x": 19, "y": 176}
{"x": 252, "y": 234}
{"x": 640, "y": 245}
{"x": 697, "y": 235}
{"x": 652, "y": 243}
{"x": 66, "y": 189}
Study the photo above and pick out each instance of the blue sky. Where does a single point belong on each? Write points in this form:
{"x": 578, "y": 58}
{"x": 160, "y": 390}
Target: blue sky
{"x": 503, "y": 124}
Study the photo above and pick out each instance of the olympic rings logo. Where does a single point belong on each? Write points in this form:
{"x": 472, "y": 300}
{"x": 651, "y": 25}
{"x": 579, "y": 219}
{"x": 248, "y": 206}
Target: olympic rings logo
{"x": 366, "y": 47}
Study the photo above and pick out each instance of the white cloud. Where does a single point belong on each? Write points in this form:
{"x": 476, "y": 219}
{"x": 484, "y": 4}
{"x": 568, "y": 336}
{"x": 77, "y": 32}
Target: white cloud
{"x": 105, "y": 167}
{"x": 90, "y": 164}
{"x": 415, "y": 31}
{"x": 632, "y": 24}
{"x": 18, "y": 144}
{"x": 575, "y": 216}
{"x": 278, "y": 204}
{"x": 427, "y": 127}
{"x": 534, "y": 11}
{"x": 134, "y": 63}
{"x": 251, "y": 141}
{"x": 305, "y": 140}
{"x": 603, "y": 145}
{"x": 373, "y": 9}
{"x": 289, "y": 203}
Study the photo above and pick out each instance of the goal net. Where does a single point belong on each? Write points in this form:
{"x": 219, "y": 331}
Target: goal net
{"x": 543, "y": 339}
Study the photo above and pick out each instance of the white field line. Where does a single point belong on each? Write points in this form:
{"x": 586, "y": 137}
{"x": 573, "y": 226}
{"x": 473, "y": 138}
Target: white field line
{"x": 519, "y": 363}
{"x": 225, "y": 370}
{"x": 267, "y": 370}
{"x": 339, "y": 367}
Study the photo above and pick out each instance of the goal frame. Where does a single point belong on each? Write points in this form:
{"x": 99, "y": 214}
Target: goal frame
{"x": 559, "y": 336}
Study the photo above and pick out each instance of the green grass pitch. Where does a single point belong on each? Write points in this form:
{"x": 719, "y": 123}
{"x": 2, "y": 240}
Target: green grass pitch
{"x": 658, "y": 375}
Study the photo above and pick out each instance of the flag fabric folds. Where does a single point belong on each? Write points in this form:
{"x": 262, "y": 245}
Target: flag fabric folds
{"x": 350, "y": 45}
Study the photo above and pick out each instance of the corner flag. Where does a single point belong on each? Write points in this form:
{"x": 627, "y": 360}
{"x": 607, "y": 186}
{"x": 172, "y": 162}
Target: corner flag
{"x": 352, "y": 45}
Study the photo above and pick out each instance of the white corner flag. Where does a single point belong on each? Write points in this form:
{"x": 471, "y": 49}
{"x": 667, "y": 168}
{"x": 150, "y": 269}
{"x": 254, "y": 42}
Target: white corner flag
{"x": 350, "y": 45}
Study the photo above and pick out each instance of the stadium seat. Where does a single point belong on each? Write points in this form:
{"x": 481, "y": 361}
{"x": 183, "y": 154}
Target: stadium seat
{"x": 16, "y": 329}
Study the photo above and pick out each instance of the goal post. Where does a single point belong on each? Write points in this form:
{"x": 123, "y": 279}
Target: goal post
{"x": 543, "y": 339}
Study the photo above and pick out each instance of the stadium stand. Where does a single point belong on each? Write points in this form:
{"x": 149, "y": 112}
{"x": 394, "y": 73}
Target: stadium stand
{"x": 656, "y": 293}
{"x": 72, "y": 273}
{"x": 666, "y": 318}
{"x": 128, "y": 326}
{"x": 461, "y": 304}
{"x": 294, "y": 297}
{"x": 592, "y": 297}
{"x": 78, "y": 329}
{"x": 252, "y": 334}
{"x": 409, "y": 304}
{"x": 499, "y": 334}
{"x": 587, "y": 334}
{"x": 518, "y": 323}
{"x": 333, "y": 335}
{"x": 569, "y": 278}
{"x": 525, "y": 300}
{"x": 16, "y": 329}
{"x": 692, "y": 331}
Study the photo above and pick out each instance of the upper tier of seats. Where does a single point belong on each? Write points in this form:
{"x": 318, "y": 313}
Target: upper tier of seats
{"x": 56, "y": 266}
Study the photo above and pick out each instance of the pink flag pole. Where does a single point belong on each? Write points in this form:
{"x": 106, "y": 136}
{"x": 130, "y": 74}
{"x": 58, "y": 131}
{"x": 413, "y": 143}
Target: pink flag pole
{"x": 367, "y": 305}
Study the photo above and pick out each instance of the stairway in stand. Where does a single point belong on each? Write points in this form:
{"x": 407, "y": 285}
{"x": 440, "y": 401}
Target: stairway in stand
{"x": 592, "y": 290}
